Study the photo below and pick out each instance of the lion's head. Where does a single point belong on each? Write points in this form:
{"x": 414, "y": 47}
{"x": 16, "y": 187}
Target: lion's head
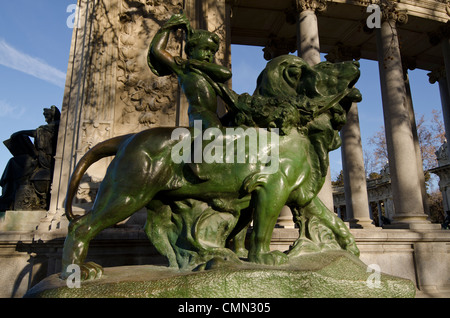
{"x": 290, "y": 93}
{"x": 289, "y": 75}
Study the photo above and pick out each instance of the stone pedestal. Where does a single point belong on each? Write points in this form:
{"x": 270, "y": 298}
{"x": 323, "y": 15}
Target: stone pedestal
{"x": 285, "y": 218}
{"x": 20, "y": 220}
{"x": 330, "y": 275}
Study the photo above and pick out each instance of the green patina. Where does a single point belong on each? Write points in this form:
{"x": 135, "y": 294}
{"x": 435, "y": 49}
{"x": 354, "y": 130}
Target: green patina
{"x": 197, "y": 211}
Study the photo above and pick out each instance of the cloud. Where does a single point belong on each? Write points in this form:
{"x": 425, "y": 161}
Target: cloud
{"x": 7, "y": 110}
{"x": 12, "y": 58}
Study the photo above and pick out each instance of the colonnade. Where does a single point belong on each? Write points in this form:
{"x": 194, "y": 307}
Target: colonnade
{"x": 407, "y": 178}
{"x": 407, "y": 185}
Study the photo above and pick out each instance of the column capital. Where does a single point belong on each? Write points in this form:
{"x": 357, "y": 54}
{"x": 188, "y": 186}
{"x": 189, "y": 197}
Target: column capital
{"x": 312, "y": 5}
{"x": 278, "y": 46}
{"x": 390, "y": 11}
{"x": 408, "y": 63}
{"x": 340, "y": 53}
{"x": 437, "y": 74}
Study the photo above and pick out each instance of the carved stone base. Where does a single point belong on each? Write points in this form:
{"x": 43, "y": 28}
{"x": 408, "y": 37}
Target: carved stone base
{"x": 333, "y": 274}
{"x": 26, "y": 199}
{"x": 20, "y": 220}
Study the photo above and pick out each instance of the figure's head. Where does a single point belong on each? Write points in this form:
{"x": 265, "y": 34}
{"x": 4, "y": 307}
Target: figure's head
{"x": 202, "y": 45}
{"x": 52, "y": 114}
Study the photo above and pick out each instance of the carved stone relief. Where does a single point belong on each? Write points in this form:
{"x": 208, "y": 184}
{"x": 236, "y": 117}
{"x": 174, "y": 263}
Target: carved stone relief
{"x": 92, "y": 133}
{"x": 143, "y": 100}
{"x": 123, "y": 95}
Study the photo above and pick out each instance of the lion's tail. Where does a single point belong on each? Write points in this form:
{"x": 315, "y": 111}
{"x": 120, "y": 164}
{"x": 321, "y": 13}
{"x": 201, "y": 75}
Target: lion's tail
{"x": 104, "y": 149}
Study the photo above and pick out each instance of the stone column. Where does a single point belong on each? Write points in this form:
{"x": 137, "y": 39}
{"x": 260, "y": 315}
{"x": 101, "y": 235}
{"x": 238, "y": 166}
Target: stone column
{"x": 354, "y": 173}
{"x": 439, "y": 76}
{"x": 380, "y": 214}
{"x": 401, "y": 152}
{"x": 308, "y": 45}
{"x": 308, "y": 48}
{"x": 409, "y": 63}
{"x": 446, "y": 52}
{"x": 356, "y": 199}
{"x": 443, "y": 171}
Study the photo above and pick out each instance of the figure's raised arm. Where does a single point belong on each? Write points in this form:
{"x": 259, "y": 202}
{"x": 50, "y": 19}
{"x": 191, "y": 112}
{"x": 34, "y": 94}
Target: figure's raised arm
{"x": 218, "y": 73}
{"x": 160, "y": 61}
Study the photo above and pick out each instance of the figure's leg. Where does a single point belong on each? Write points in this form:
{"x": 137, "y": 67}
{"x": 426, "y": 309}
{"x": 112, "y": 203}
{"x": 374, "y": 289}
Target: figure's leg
{"x": 267, "y": 201}
{"x": 329, "y": 219}
{"x": 160, "y": 229}
{"x": 236, "y": 239}
{"x": 123, "y": 191}
{"x": 239, "y": 243}
{"x": 84, "y": 229}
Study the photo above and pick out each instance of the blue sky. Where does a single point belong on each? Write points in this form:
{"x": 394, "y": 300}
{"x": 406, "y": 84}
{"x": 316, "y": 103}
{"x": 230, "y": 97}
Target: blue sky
{"x": 34, "y": 51}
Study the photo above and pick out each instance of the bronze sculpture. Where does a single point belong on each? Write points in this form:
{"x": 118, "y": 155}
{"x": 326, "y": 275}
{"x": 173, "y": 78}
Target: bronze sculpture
{"x": 198, "y": 75}
{"x": 27, "y": 176}
{"x": 195, "y": 209}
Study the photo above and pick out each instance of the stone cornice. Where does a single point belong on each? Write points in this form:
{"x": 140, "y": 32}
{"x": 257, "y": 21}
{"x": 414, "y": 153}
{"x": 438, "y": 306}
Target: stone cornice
{"x": 438, "y": 10}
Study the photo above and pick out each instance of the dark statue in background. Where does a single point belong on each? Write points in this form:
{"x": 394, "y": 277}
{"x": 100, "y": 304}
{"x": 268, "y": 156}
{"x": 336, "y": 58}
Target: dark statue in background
{"x": 199, "y": 211}
{"x": 27, "y": 177}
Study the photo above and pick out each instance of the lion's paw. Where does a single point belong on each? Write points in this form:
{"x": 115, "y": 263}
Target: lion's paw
{"x": 270, "y": 258}
{"x": 349, "y": 245}
{"x": 87, "y": 271}
{"x": 241, "y": 252}
{"x": 90, "y": 271}
{"x": 352, "y": 248}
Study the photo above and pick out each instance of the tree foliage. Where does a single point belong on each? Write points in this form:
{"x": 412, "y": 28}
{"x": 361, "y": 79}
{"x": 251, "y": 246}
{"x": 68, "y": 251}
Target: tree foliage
{"x": 339, "y": 182}
{"x": 431, "y": 135}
